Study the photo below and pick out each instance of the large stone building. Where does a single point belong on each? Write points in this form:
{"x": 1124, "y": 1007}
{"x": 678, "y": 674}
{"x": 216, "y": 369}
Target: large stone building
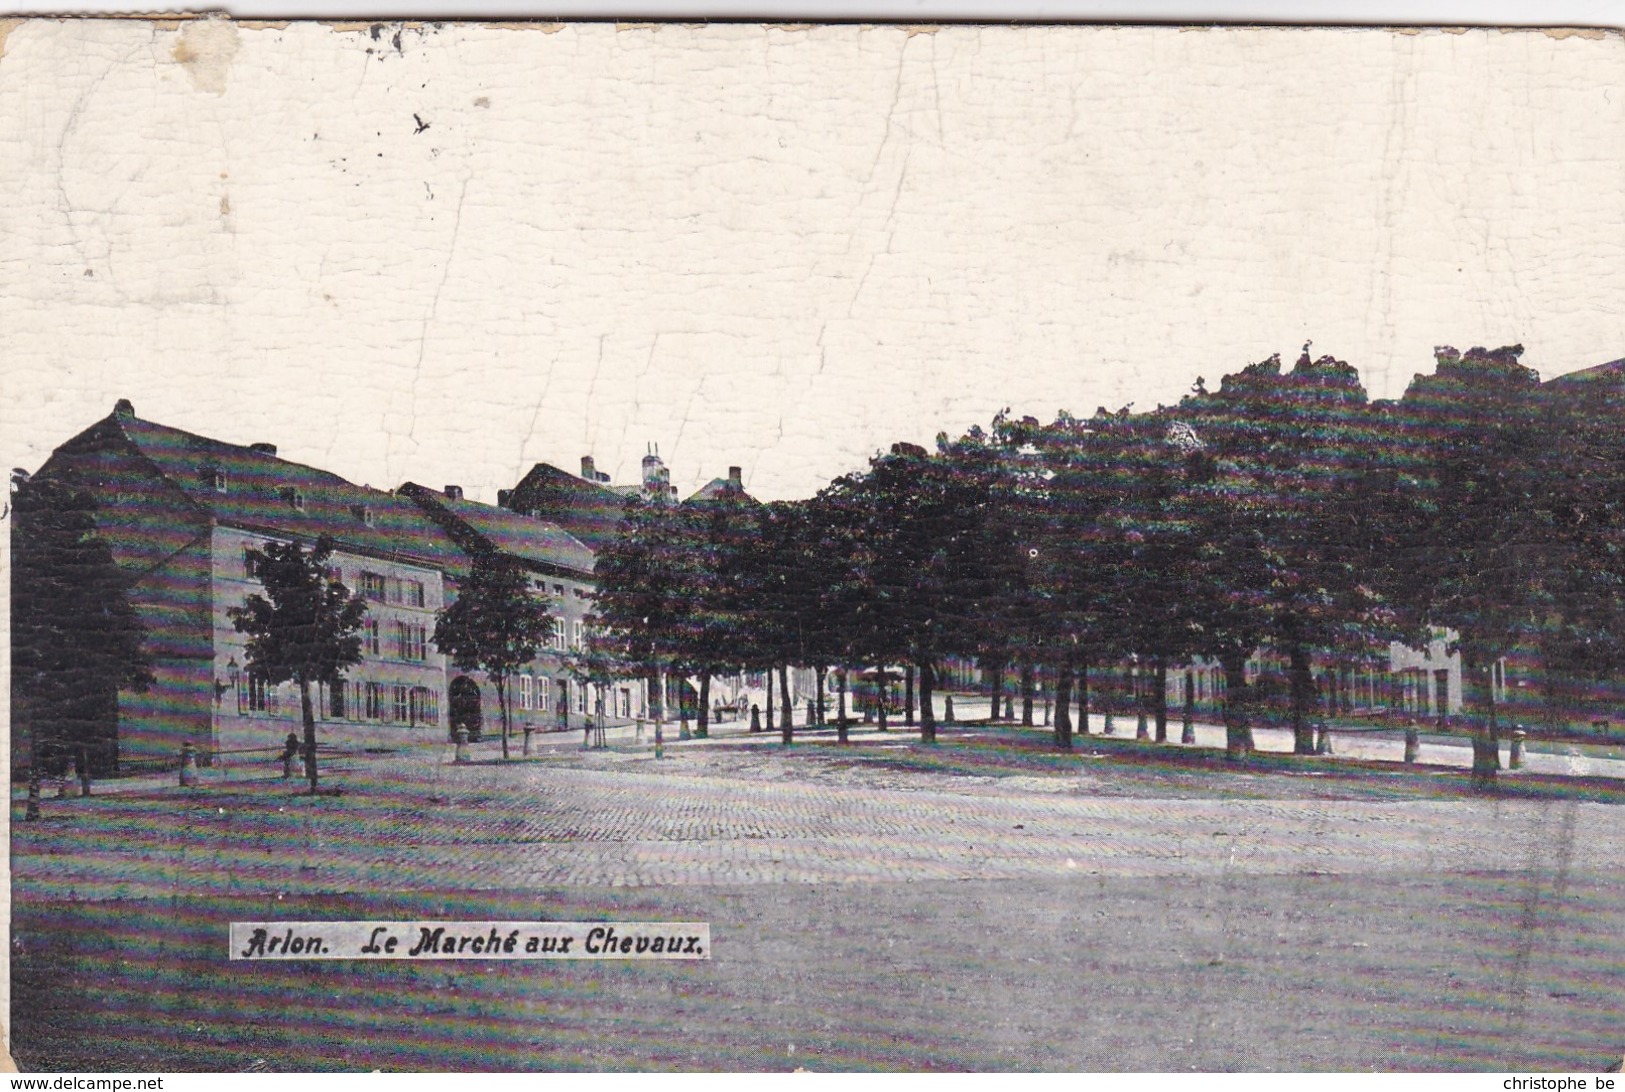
{"x": 181, "y": 512}
{"x": 548, "y": 693}
{"x": 590, "y": 507}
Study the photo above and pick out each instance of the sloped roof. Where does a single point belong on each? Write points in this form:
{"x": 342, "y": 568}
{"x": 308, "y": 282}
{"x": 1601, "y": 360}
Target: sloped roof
{"x": 259, "y": 490}
{"x": 591, "y": 512}
{"x": 1610, "y": 374}
{"x": 533, "y": 540}
{"x": 717, "y": 488}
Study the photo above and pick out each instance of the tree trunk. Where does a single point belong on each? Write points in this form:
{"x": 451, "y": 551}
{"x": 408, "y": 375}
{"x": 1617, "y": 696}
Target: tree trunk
{"x": 880, "y": 690}
{"x": 309, "y": 715}
{"x": 84, "y": 769}
{"x": 1063, "y": 711}
{"x": 840, "y": 705}
{"x": 1083, "y": 698}
{"x": 788, "y": 725}
{"x": 1047, "y": 689}
{"x": 1188, "y": 721}
{"x": 1238, "y": 733}
{"x": 702, "y": 718}
{"x": 1026, "y": 695}
{"x": 928, "y": 716}
{"x": 1142, "y": 727}
{"x": 908, "y": 696}
{"x": 32, "y": 814}
{"x": 995, "y": 685}
{"x": 1160, "y": 703}
{"x": 657, "y": 704}
{"x": 1303, "y": 730}
{"x": 769, "y": 700}
{"x": 820, "y": 672}
{"x": 1486, "y": 748}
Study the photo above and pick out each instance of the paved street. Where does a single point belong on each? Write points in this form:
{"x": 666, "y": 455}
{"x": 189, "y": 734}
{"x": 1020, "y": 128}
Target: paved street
{"x": 722, "y": 812}
{"x": 987, "y": 904}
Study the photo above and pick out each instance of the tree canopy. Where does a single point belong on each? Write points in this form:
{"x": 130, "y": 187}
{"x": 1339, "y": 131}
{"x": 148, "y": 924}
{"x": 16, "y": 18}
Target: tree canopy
{"x": 495, "y": 625}
{"x": 76, "y": 640}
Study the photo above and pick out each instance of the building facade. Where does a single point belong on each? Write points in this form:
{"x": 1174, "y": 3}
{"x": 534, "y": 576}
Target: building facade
{"x": 180, "y": 513}
{"x": 553, "y": 691}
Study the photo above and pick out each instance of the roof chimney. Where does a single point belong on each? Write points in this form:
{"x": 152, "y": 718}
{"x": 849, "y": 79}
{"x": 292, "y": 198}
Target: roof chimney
{"x": 264, "y": 449}
{"x": 588, "y": 470}
{"x": 503, "y": 496}
{"x": 454, "y": 492}
{"x": 123, "y": 408}
{"x": 736, "y": 477}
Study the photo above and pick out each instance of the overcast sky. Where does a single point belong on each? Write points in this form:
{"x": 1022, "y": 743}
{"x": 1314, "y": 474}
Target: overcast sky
{"x": 445, "y": 258}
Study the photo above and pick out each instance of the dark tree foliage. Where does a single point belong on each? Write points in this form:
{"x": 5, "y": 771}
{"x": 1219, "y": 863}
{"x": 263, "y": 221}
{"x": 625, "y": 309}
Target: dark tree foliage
{"x": 923, "y": 560}
{"x": 304, "y": 629}
{"x": 1281, "y": 509}
{"x": 1583, "y": 563}
{"x": 1296, "y": 457}
{"x": 645, "y": 603}
{"x": 75, "y": 638}
{"x": 1478, "y": 418}
{"x": 719, "y": 534}
{"x": 1002, "y": 478}
{"x": 778, "y": 578}
{"x": 495, "y": 625}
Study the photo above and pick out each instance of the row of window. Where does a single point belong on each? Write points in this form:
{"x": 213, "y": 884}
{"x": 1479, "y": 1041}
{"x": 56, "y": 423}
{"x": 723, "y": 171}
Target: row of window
{"x": 392, "y": 589}
{"x": 398, "y": 591}
{"x": 408, "y": 641}
{"x": 534, "y": 692}
{"x": 291, "y": 495}
{"x": 401, "y": 703}
{"x": 387, "y": 703}
{"x": 577, "y": 637}
{"x": 540, "y": 585}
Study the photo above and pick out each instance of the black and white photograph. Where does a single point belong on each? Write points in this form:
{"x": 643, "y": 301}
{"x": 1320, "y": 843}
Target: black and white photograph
{"x": 768, "y": 547}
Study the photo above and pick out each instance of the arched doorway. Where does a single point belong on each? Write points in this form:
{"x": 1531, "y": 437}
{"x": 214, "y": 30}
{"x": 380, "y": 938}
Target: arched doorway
{"x": 465, "y": 707}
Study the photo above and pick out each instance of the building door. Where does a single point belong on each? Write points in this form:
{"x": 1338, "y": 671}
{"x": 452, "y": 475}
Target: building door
{"x": 465, "y": 706}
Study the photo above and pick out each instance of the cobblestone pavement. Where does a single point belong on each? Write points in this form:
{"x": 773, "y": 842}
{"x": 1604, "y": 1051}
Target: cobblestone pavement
{"x": 739, "y": 815}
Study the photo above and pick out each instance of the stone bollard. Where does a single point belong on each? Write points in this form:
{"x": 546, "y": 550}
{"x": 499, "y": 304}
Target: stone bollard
{"x": 1187, "y": 732}
{"x": 188, "y": 766}
{"x": 755, "y": 718}
{"x": 461, "y": 756}
{"x": 1518, "y": 736}
{"x": 529, "y": 731}
{"x": 1413, "y": 743}
{"x": 1111, "y": 724}
{"x": 948, "y": 709}
{"x": 639, "y": 724}
{"x": 1142, "y": 729}
{"x": 65, "y": 786}
{"x": 1323, "y": 740}
{"x": 290, "y": 755}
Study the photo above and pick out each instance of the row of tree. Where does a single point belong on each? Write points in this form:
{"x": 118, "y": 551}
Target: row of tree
{"x": 1284, "y": 509}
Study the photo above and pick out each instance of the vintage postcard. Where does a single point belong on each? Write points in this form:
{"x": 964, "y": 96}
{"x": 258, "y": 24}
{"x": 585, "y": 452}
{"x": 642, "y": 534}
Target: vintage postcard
{"x": 747, "y": 547}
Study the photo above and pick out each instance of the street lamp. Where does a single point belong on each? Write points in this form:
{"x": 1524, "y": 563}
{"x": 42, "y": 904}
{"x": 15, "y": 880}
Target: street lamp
{"x": 233, "y": 673}
{"x": 220, "y": 688}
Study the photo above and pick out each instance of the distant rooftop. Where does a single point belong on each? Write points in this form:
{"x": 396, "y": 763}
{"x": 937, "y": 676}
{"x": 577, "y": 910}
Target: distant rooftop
{"x": 247, "y": 486}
